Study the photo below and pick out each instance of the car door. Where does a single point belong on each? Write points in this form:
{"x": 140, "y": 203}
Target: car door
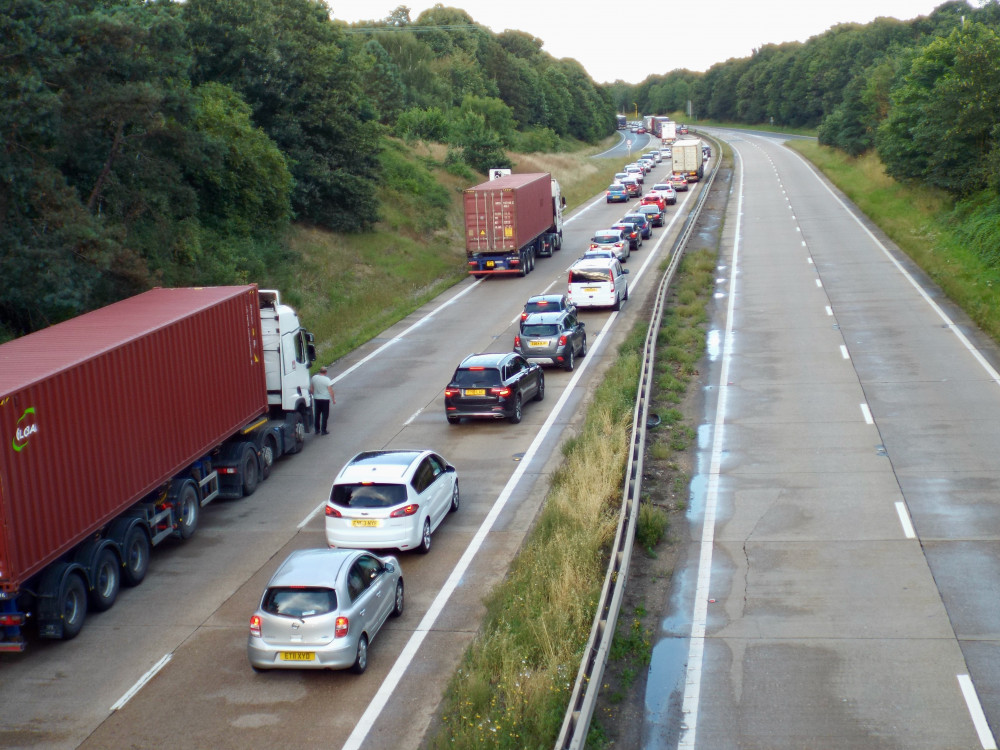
{"x": 573, "y": 331}
{"x": 373, "y": 601}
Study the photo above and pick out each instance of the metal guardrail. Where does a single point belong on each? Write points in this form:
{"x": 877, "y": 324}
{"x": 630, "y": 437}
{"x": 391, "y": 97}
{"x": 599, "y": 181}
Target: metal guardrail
{"x": 586, "y": 689}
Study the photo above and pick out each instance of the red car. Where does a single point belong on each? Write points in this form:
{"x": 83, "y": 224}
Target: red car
{"x": 655, "y": 199}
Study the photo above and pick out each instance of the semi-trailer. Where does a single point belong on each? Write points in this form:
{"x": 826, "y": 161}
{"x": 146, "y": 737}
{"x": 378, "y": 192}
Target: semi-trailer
{"x": 510, "y": 221}
{"x": 687, "y": 159}
{"x": 119, "y": 425}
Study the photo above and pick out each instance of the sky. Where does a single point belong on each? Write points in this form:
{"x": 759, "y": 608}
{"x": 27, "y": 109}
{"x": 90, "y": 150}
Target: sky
{"x": 595, "y": 33}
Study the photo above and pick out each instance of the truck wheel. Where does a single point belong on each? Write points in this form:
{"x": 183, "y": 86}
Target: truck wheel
{"x": 267, "y": 453}
{"x": 523, "y": 268}
{"x": 106, "y": 579}
{"x": 250, "y": 469}
{"x": 186, "y": 510}
{"x": 135, "y": 556}
{"x": 72, "y": 606}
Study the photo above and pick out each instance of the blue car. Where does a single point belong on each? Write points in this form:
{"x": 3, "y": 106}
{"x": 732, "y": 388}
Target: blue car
{"x": 641, "y": 222}
{"x": 617, "y": 194}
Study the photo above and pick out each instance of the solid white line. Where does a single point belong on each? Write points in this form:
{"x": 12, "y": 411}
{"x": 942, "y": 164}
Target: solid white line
{"x": 867, "y": 414}
{"x": 142, "y": 681}
{"x": 699, "y": 617}
{"x": 904, "y": 519}
{"x": 976, "y": 712}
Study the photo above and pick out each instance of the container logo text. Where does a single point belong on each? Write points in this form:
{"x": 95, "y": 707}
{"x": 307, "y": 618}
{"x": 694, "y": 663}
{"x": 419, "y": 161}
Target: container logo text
{"x": 23, "y": 432}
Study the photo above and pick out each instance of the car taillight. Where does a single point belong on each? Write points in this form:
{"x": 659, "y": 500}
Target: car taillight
{"x": 255, "y": 626}
{"x": 562, "y": 341}
{"x": 449, "y": 392}
{"x": 500, "y": 391}
{"x": 406, "y": 510}
{"x": 332, "y": 512}
{"x": 517, "y": 341}
{"x": 340, "y": 628}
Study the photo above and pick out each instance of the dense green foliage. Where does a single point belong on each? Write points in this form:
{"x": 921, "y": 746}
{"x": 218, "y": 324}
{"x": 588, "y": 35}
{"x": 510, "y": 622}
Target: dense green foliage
{"x": 151, "y": 142}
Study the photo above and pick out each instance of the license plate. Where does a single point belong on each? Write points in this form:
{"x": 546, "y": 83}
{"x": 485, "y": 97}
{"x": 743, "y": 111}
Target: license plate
{"x": 298, "y": 656}
{"x": 369, "y": 522}
{"x": 591, "y": 289}
{"x": 475, "y": 391}
{"x": 490, "y": 264}
{"x": 538, "y": 343}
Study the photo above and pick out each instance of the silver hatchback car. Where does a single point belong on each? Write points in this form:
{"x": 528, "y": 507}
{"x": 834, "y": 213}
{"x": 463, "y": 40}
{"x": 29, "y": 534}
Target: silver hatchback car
{"x": 558, "y": 337}
{"x": 322, "y": 608}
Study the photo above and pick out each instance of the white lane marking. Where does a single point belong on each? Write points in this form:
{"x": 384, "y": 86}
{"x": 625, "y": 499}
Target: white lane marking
{"x": 141, "y": 682}
{"x": 829, "y": 311}
{"x": 990, "y": 370}
{"x": 321, "y": 508}
{"x": 699, "y": 618}
{"x": 819, "y": 282}
{"x": 976, "y": 712}
{"x": 809, "y": 259}
{"x": 843, "y": 352}
{"x": 412, "y": 647}
{"x": 905, "y": 521}
{"x": 867, "y": 414}
{"x": 413, "y": 416}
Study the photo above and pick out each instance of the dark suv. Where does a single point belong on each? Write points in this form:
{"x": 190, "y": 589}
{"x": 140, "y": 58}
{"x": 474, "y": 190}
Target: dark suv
{"x": 641, "y": 223}
{"x": 558, "y": 337}
{"x": 493, "y": 386}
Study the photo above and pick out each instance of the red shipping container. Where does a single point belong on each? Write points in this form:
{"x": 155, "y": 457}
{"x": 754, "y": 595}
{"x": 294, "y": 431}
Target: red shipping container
{"x": 97, "y": 412}
{"x": 505, "y": 214}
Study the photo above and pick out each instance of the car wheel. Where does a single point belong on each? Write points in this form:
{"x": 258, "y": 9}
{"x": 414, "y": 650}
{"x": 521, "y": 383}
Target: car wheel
{"x": 397, "y": 607}
{"x": 570, "y": 360}
{"x": 455, "y": 498}
{"x": 583, "y": 346}
{"x": 516, "y": 416}
{"x": 618, "y": 303}
{"x": 541, "y": 387}
{"x": 361, "y": 658}
{"x": 425, "y": 538}
{"x": 626, "y": 293}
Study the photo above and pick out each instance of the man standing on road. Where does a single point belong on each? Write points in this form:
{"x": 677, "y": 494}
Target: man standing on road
{"x": 321, "y": 387}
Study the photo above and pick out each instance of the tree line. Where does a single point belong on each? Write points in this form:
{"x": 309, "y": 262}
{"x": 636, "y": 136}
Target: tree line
{"x": 155, "y": 142}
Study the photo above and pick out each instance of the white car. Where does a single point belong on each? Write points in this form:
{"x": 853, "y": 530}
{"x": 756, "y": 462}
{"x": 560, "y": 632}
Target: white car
{"x": 598, "y": 282}
{"x": 390, "y": 499}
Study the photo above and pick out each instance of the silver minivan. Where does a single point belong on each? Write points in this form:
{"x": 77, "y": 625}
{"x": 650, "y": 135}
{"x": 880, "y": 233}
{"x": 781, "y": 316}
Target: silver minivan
{"x": 598, "y": 282}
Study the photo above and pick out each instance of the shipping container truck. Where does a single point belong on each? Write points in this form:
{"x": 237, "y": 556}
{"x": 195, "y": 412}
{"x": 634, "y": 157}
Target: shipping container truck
{"x": 668, "y": 131}
{"x": 510, "y": 221}
{"x": 686, "y": 156}
{"x": 118, "y": 426}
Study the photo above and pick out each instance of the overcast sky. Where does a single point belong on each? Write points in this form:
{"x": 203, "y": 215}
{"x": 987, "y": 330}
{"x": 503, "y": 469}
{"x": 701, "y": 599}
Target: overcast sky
{"x": 596, "y": 34}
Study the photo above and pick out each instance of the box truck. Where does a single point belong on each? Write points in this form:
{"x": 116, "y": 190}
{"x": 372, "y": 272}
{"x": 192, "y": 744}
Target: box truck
{"x": 686, "y": 155}
{"x": 510, "y": 221}
{"x": 118, "y": 426}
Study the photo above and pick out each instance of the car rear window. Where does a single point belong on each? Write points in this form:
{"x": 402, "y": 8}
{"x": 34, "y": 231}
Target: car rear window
{"x": 468, "y": 378}
{"x": 368, "y": 495}
{"x": 540, "y": 306}
{"x": 300, "y": 602}
{"x": 588, "y": 275}
{"x": 539, "y": 329}
{"x": 605, "y": 239}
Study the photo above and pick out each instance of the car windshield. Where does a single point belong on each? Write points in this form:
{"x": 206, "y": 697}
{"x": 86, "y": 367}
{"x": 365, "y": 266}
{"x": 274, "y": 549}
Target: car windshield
{"x": 299, "y": 602}
{"x": 539, "y": 329}
{"x": 368, "y": 495}
{"x": 484, "y": 378}
{"x": 588, "y": 275}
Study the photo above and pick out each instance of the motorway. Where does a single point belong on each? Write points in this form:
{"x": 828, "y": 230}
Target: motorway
{"x": 839, "y": 585}
{"x": 167, "y": 667}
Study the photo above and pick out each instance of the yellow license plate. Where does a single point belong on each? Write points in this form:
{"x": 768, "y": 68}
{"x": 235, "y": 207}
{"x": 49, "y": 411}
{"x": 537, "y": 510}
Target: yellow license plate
{"x": 490, "y": 264}
{"x": 370, "y": 522}
{"x": 298, "y": 656}
{"x": 538, "y": 343}
{"x": 591, "y": 289}
{"x": 475, "y": 391}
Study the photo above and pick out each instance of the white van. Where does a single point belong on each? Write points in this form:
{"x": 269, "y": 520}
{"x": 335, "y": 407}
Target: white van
{"x": 598, "y": 282}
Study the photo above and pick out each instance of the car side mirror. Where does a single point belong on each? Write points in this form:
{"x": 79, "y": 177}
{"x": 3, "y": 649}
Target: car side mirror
{"x": 625, "y": 271}
{"x": 390, "y": 568}
{"x": 450, "y": 469}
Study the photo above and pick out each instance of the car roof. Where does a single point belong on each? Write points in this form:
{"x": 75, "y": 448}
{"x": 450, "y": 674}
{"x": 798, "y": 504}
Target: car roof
{"x": 545, "y": 317}
{"x": 546, "y": 298}
{"x": 595, "y": 262}
{"x": 311, "y": 567}
{"x": 379, "y": 466}
{"x": 486, "y": 359}
{"x": 648, "y": 208}
{"x": 603, "y": 232}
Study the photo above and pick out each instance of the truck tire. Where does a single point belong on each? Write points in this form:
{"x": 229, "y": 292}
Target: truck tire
{"x": 72, "y": 606}
{"x": 268, "y": 453}
{"x": 187, "y": 509}
{"x": 105, "y": 580}
{"x": 135, "y": 555}
{"x": 249, "y": 469}
{"x": 523, "y": 265}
